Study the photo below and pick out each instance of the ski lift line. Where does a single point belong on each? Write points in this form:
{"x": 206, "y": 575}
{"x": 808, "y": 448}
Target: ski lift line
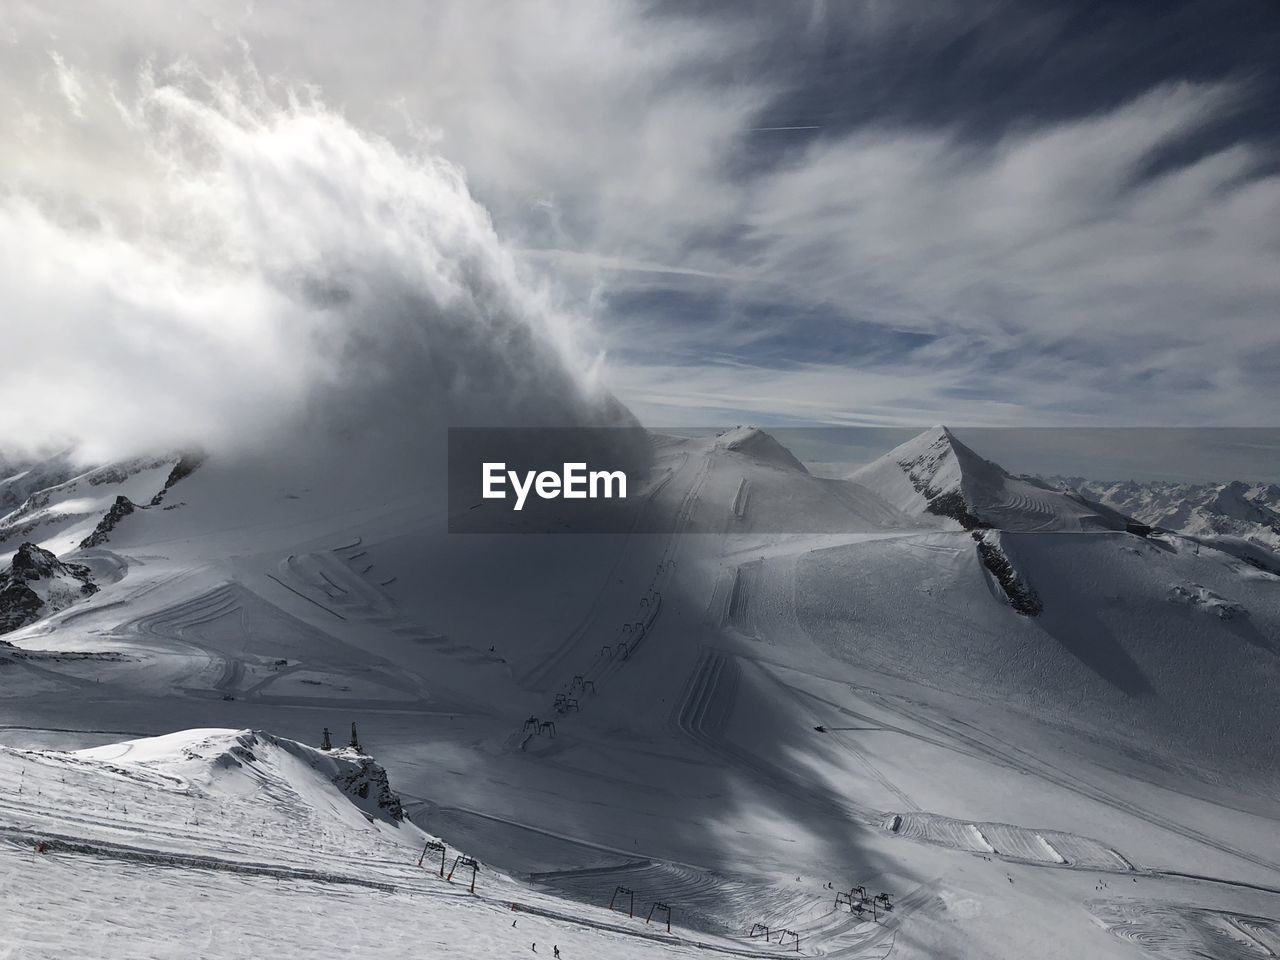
{"x": 794, "y": 127}
{"x": 640, "y": 933}
{"x": 650, "y": 603}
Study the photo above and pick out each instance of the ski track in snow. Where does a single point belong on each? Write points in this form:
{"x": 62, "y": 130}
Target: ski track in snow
{"x": 1007, "y": 841}
{"x": 699, "y": 687}
{"x": 1172, "y": 931}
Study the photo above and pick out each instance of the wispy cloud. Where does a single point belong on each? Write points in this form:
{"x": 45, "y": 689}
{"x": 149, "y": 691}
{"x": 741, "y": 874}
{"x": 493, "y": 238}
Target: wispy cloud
{"x": 855, "y": 213}
{"x": 286, "y": 273}
{"x": 68, "y": 84}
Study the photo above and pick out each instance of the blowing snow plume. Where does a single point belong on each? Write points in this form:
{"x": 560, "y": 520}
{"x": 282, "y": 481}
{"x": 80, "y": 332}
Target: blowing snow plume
{"x": 261, "y": 270}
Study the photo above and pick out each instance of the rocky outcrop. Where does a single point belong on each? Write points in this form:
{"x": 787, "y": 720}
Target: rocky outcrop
{"x": 36, "y": 584}
{"x": 123, "y": 506}
{"x": 1020, "y": 595}
{"x": 119, "y": 510}
{"x": 950, "y": 504}
{"x": 368, "y": 781}
{"x": 185, "y": 466}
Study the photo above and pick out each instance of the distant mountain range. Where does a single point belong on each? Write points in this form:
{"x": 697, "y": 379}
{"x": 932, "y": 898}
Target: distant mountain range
{"x": 56, "y": 503}
{"x": 1234, "y": 509}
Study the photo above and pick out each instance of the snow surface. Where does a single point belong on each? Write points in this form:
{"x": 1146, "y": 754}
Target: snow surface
{"x": 1095, "y": 781}
{"x": 58, "y": 517}
{"x": 1236, "y": 509}
{"x": 926, "y": 470}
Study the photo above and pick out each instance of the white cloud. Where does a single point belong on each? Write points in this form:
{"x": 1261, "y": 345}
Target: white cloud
{"x": 68, "y": 84}
{"x": 286, "y": 272}
{"x": 611, "y": 146}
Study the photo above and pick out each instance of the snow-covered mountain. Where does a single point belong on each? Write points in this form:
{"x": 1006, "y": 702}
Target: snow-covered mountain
{"x": 252, "y": 845}
{"x": 934, "y": 473}
{"x": 19, "y": 479}
{"x": 754, "y": 442}
{"x": 68, "y": 511}
{"x": 1233, "y": 509}
{"x": 1042, "y": 736}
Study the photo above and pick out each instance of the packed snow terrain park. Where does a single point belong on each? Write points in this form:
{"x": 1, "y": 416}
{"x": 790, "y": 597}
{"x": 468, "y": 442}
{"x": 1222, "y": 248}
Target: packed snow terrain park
{"x": 630, "y": 480}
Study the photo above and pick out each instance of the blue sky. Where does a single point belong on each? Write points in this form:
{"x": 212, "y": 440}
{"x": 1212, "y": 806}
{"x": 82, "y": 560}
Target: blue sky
{"x": 858, "y": 213}
{"x": 1024, "y": 213}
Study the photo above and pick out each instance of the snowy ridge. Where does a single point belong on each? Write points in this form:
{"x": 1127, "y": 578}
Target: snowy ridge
{"x": 755, "y": 443}
{"x": 1236, "y": 509}
{"x": 18, "y": 481}
{"x": 60, "y": 516}
{"x": 934, "y": 473}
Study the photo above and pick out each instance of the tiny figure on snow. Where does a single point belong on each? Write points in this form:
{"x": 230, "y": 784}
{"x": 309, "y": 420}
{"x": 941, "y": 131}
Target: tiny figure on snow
{"x": 555, "y": 952}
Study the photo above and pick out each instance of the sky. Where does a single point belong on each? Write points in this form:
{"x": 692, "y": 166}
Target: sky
{"x": 1175, "y": 454}
{"x": 856, "y": 213}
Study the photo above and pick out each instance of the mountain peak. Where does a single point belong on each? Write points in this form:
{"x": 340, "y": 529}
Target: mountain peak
{"x": 759, "y": 445}
{"x": 935, "y": 472}
{"x": 37, "y": 583}
{"x": 31, "y": 562}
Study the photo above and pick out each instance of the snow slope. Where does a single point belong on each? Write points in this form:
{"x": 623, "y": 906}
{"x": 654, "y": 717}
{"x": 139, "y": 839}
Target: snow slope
{"x": 240, "y": 844}
{"x": 60, "y": 516}
{"x": 19, "y": 480}
{"x": 934, "y": 473}
{"x": 788, "y": 682}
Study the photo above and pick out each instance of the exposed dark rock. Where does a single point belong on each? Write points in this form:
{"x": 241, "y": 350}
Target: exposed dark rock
{"x": 1021, "y": 597}
{"x": 370, "y": 780}
{"x": 119, "y": 510}
{"x": 185, "y": 466}
{"x": 1258, "y": 564}
{"x": 952, "y": 505}
{"x": 20, "y": 604}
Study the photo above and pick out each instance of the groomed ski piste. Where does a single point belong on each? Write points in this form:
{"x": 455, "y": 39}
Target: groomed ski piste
{"x": 804, "y": 693}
